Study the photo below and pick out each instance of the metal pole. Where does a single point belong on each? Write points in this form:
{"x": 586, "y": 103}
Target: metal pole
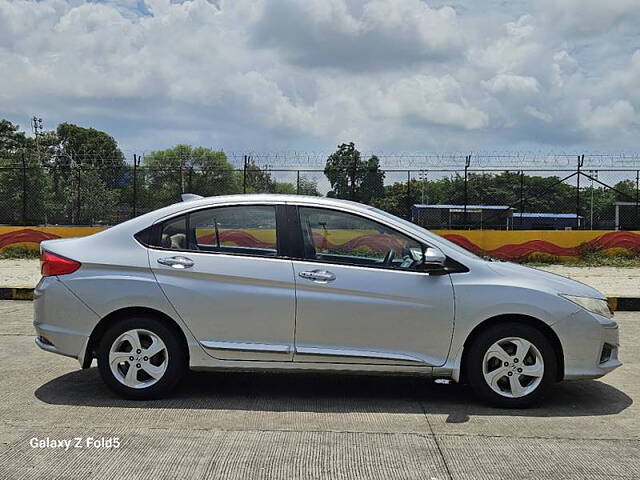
{"x": 467, "y": 162}
{"x": 637, "y": 197}
{"x": 244, "y": 175}
{"x": 24, "y": 187}
{"x": 521, "y": 196}
{"x": 298, "y": 182}
{"x": 408, "y": 194}
{"x": 580, "y": 162}
{"x": 78, "y": 199}
{"x": 135, "y": 185}
{"x": 594, "y": 174}
{"x": 353, "y": 181}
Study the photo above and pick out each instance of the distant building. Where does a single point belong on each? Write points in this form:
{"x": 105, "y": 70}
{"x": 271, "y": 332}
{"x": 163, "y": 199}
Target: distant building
{"x": 545, "y": 221}
{"x": 457, "y": 217}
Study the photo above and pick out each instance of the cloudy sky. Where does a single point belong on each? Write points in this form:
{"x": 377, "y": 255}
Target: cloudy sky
{"x": 391, "y": 75}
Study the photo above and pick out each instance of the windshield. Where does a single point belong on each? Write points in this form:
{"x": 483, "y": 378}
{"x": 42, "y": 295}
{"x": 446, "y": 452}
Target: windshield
{"x": 449, "y": 243}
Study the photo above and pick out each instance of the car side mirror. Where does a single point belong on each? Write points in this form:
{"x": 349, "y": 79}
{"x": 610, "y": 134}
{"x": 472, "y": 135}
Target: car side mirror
{"x": 433, "y": 260}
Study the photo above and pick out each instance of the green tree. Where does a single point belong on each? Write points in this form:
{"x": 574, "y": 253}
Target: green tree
{"x": 184, "y": 168}
{"x": 24, "y": 185}
{"x": 351, "y": 177}
{"x": 87, "y": 146}
{"x": 88, "y": 174}
{"x": 308, "y": 186}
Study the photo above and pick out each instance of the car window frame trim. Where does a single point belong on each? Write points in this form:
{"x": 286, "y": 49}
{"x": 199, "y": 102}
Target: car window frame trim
{"x": 157, "y": 230}
{"x": 300, "y": 240}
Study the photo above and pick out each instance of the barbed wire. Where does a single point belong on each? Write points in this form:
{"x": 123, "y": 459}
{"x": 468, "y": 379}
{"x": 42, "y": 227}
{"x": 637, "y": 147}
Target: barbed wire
{"x": 294, "y": 160}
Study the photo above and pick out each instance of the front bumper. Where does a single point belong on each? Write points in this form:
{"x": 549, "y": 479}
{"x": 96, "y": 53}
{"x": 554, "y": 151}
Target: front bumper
{"x": 590, "y": 347}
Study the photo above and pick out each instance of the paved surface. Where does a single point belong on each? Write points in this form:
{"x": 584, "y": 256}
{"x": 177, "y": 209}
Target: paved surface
{"x": 250, "y": 426}
{"x": 609, "y": 280}
{"x": 20, "y": 272}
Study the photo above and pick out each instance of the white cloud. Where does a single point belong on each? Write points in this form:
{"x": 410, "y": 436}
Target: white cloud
{"x": 604, "y": 119}
{"x": 296, "y": 74}
{"x": 535, "y": 113}
{"x": 518, "y": 84}
{"x": 429, "y": 99}
{"x": 587, "y": 17}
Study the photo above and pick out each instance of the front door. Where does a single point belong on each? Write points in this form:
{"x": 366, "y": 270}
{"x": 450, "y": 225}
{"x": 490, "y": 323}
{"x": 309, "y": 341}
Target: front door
{"x": 222, "y": 271}
{"x": 359, "y": 298}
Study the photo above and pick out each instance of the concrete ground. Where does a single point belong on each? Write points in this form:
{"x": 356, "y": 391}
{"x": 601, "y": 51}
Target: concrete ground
{"x": 250, "y": 426}
{"x": 623, "y": 282}
{"x": 19, "y": 272}
{"x": 609, "y": 280}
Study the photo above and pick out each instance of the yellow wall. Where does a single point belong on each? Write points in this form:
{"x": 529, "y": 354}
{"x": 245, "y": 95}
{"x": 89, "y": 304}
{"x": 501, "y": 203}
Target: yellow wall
{"x": 514, "y": 244}
{"x": 492, "y": 239}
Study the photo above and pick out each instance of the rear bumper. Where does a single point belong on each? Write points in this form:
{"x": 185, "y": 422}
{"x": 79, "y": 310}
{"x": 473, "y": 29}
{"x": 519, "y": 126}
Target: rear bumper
{"x": 69, "y": 344}
{"x": 62, "y": 322}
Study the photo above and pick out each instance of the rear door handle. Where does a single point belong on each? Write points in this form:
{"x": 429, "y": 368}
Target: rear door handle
{"x": 176, "y": 262}
{"x": 320, "y": 276}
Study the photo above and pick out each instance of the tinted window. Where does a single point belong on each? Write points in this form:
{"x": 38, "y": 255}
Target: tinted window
{"x": 344, "y": 238}
{"x": 247, "y": 229}
{"x": 174, "y": 234}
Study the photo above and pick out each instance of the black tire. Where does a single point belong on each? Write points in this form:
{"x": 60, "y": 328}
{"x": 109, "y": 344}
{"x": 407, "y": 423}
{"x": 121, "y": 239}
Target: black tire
{"x": 475, "y": 358}
{"x": 176, "y": 360}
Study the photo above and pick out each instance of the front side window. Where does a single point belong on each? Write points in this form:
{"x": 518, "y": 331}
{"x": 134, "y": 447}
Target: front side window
{"x": 339, "y": 237}
{"x": 249, "y": 229}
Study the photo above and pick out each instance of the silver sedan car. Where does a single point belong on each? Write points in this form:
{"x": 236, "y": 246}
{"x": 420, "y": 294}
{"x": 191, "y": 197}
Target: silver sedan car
{"x": 257, "y": 282}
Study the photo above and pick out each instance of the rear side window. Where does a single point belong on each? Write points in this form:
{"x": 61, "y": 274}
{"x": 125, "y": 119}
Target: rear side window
{"x": 249, "y": 229}
{"x": 174, "y": 234}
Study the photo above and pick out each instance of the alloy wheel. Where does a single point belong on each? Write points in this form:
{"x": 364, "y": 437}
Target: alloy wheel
{"x": 138, "y": 358}
{"x": 513, "y": 367}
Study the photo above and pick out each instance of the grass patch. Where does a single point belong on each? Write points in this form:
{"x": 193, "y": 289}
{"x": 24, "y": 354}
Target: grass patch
{"x": 19, "y": 252}
{"x": 590, "y": 259}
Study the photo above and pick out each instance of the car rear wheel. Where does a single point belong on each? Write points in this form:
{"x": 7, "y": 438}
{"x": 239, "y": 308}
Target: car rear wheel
{"x": 141, "y": 358}
{"x": 511, "y": 365}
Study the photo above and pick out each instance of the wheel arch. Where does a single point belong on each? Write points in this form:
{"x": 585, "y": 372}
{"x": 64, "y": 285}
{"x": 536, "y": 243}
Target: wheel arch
{"x": 109, "y": 319}
{"x": 541, "y": 326}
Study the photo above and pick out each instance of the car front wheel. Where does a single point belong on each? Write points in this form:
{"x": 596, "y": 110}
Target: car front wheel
{"x": 511, "y": 365}
{"x": 141, "y": 358}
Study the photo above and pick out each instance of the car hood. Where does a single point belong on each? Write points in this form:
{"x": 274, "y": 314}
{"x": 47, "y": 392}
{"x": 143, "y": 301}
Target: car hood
{"x": 545, "y": 280}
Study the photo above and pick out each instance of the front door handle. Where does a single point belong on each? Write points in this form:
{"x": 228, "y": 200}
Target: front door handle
{"x": 320, "y": 276}
{"x": 176, "y": 262}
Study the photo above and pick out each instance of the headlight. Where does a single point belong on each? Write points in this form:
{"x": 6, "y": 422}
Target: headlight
{"x": 593, "y": 305}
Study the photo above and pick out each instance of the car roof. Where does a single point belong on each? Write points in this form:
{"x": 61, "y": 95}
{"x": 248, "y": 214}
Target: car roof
{"x": 267, "y": 198}
{"x": 136, "y": 224}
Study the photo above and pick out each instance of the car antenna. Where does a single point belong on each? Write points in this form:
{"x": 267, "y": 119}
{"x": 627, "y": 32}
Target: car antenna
{"x": 189, "y": 197}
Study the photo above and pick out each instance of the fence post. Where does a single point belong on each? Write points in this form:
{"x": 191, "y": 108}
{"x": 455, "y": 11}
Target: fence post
{"x": 409, "y": 195}
{"x": 637, "y": 197}
{"x": 467, "y": 162}
{"x": 521, "y": 195}
{"x": 244, "y": 175}
{"x": 298, "y": 182}
{"x": 580, "y": 163}
{"x": 24, "y": 187}
{"x": 353, "y": 181}
{"x": 135, "y": 185}
{"x": 77, "y": 222}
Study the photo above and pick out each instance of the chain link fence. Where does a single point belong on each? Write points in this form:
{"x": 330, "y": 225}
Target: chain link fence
{"x": 492, "y": 191}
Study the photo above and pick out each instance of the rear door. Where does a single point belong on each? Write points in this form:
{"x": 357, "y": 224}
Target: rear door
{"x": 222, "y": 270}
{"x": 360, "y": 299}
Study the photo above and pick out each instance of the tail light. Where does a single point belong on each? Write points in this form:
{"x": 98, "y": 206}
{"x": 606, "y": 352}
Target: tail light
{"x": 52, "y": 264}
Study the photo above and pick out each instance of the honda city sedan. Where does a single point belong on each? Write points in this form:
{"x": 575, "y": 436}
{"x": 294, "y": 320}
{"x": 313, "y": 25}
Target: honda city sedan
{"x": 257, "y": 282}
